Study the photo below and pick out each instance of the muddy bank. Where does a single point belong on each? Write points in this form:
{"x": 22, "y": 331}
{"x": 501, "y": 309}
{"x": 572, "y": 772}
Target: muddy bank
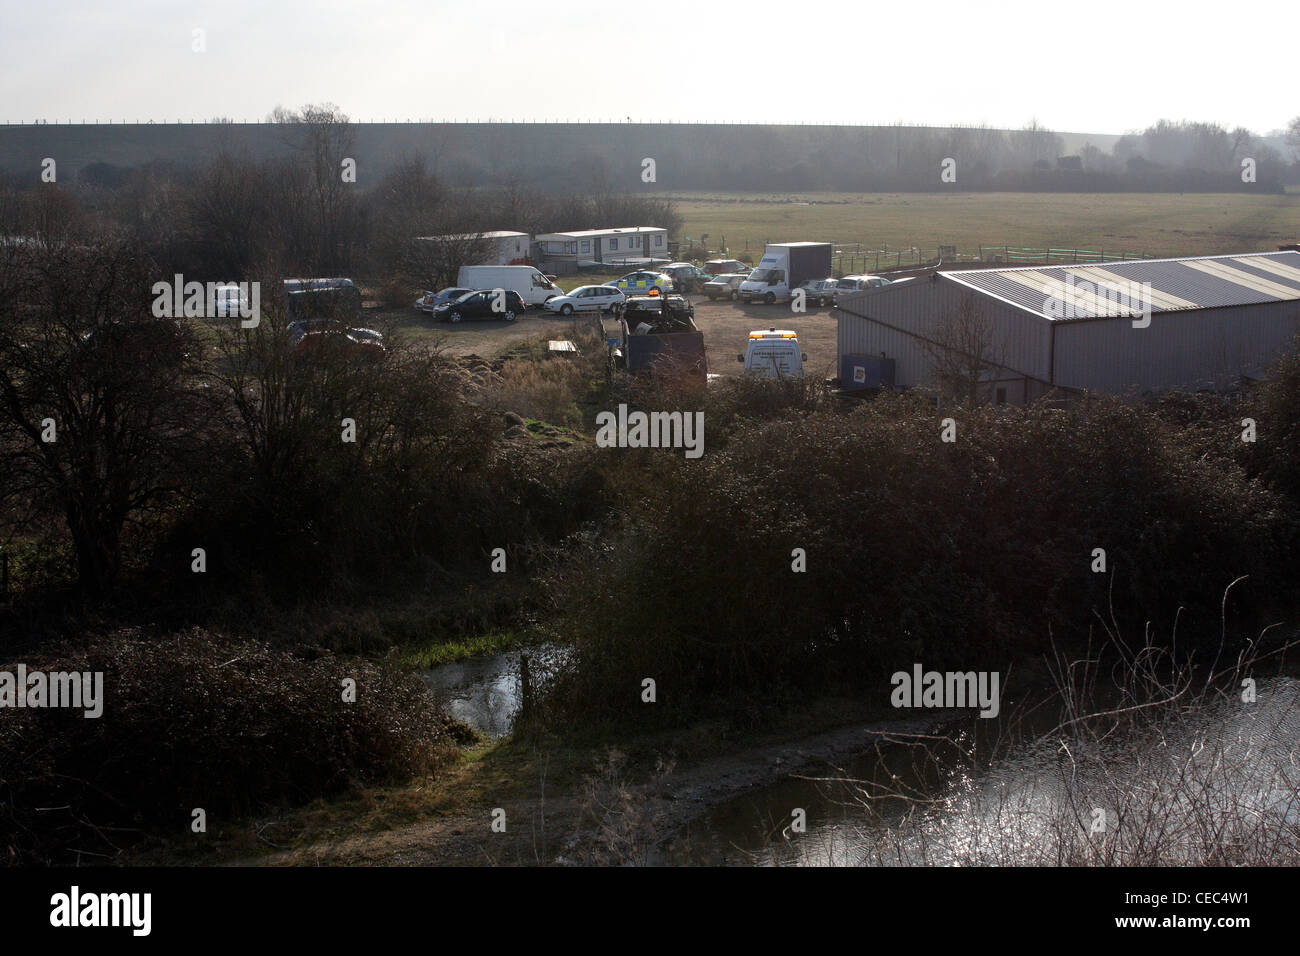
{"x": 553, "y": 824}
{"x": 694, "y": 789}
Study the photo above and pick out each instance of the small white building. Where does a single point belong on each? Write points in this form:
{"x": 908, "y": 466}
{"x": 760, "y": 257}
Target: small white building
{"x": 630, "y": 246}
{"x": 503, "y": 248}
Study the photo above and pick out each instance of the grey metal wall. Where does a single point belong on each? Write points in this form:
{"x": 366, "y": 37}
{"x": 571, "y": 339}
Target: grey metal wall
{"x": 1197, "y": 348}
{"x": 908, "y": 314}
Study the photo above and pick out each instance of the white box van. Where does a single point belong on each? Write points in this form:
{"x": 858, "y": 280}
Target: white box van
{"x": 784, "y": 266}
{"x": 533, "y": 287}
{"x": 773, "y": 354}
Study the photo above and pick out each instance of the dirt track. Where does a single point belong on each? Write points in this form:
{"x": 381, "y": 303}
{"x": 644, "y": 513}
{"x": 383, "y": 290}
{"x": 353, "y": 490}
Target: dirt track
{"x": 725, "y": 325}
{"x": 551, "y": 823}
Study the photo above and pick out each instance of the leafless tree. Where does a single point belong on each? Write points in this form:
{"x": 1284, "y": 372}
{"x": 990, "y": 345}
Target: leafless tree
{"x": 324, "y": 137}
{"x": 436, "y": 260}
{"x": 100, "y": 421}
{"x": 966, "y": 353}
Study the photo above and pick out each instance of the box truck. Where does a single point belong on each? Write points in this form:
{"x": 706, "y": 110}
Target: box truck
{"x": 784, "y": 266}
{"x": 533, "y": 287}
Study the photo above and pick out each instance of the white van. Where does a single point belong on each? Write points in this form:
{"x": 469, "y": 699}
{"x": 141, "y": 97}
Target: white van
{"x": 773, "y": 354}
{"x": 533, "y": 287}
{"x": 784, "y": 266}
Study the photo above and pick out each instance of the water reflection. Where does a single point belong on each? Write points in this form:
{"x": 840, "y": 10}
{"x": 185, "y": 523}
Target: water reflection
{"x": 1219, "y": 784}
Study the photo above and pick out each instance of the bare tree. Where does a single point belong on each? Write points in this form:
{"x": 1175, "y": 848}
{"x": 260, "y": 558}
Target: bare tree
{"x": 324, "y": 137}
{"x": 436, "y": 260}
{"x": 229, "y": 204}
{"x": 408, "y": 202}
{"x": 967, "y": 352}
{"x": 99, "y": 418}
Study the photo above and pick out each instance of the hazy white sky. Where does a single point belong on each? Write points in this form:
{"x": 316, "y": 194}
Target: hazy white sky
{"x": 1103, "y": 67}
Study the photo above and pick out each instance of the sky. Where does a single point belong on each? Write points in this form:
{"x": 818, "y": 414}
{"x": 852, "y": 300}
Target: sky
{"x": 1103, "y": 67}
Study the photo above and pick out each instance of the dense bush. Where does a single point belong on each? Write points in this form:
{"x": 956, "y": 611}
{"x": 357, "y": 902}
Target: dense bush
{"x": 1275, "y": 453}
{"x": 963, "y": 554}
{"x": 192, "y": 721}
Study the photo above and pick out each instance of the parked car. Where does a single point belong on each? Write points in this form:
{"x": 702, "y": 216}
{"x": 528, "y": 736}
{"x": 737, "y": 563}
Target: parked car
{"x": 686, "y": 276}
{"x": 719, "y": 267}
{"x": 851, "y": 284}
{"x": 162, "y": 341}
{"x": 296, "y": 330}
{"x": 724, "y": 286}
{"x": 819, "y": 291}
{"x": 482, "y": 305}
{"x": 314, "y": 336}
{"x": 319, "y": 342}
{"x": 587, "y": 298}
{"x": 643, "y": 282}
{"x": 230, "y": 301}
{"x": 430, "y": 300}
{"x": 322, "y": 298}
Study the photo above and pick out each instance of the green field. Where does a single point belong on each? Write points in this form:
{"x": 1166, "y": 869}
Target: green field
{"x": 1151, "y": 224}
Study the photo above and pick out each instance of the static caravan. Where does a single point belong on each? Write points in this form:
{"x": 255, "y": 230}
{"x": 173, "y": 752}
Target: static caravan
{"x": 500, "y": 247}
{"x": 630, "y": 247}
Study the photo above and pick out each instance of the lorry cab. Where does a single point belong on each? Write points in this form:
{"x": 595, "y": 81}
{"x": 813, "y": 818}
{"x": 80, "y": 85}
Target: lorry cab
{"x": 766, "y": 284}
{"x": 784, "y": 266}
{"x": 773, "y": 354}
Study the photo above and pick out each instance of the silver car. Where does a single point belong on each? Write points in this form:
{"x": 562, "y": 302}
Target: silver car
{"x": 587, "y": 298}
{"x": 724, "y": 286}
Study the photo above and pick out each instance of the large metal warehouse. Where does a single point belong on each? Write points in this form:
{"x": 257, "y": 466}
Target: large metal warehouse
{"x": 1122, "y": 327}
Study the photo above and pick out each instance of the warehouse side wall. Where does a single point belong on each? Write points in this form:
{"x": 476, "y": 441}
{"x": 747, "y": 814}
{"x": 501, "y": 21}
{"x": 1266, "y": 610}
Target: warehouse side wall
{"x": 904, "y": 321}
{"x": 1195, "y": 348}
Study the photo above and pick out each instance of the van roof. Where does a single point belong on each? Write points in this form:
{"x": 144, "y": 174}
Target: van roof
{"x": 773, "y": 334}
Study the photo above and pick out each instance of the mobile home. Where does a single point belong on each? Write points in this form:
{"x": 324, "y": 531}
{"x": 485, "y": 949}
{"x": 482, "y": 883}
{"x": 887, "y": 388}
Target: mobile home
{"x": 631, "y": 246}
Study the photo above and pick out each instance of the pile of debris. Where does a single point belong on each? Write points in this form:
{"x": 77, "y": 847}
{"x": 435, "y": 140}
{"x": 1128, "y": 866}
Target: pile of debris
{"x": 658, "y": 315}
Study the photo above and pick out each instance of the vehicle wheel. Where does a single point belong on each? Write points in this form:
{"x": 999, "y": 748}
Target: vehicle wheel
{"x": 734, "y": 295}
{"x": 455, "y": 316}
{"x": 566, "y": 309}
{"x": 769, "y": 299}
{"x": 510, "y": 316}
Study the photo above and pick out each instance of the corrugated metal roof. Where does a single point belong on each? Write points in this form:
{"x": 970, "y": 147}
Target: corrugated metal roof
{"x": 1062, "y": 293}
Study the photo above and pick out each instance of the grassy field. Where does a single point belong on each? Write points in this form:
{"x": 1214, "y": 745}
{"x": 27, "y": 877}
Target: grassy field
{"x": 1154, "y": 224}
